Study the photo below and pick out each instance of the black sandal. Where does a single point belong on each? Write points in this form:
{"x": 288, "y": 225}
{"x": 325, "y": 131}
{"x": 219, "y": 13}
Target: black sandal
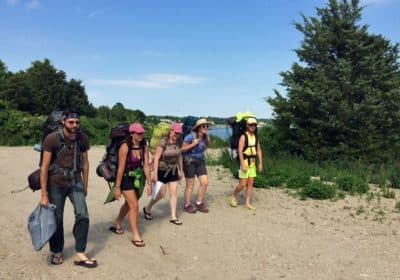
{"x": 116, "y": 230}
{"x": 57, "y": 259}
{"x": 147, "y": 215}
{"x": 138, "y": 243}
{"x": 86, "y": 263}
{"x": 176, "y": 222}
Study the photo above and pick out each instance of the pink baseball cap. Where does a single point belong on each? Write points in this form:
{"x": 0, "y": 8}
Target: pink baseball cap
{"x": 176, "y": 127}
{"x": 136, "y": 128}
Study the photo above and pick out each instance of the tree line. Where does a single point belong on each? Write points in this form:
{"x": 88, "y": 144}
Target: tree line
{"x": 341, "y": 99}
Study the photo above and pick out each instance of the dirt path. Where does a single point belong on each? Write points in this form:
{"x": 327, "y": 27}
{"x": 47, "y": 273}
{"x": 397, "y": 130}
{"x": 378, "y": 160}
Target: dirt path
{"x": 285, "y": 238}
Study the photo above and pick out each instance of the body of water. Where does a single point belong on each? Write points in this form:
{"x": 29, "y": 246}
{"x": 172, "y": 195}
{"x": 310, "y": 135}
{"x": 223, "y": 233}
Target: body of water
{"x": 221, "y": 132}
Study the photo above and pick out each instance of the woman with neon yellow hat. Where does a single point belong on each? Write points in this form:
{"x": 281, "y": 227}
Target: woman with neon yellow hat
{"x": 249, "y": 152}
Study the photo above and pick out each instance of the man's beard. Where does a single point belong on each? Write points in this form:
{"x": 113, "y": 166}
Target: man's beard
{"x": 71, "y": 130}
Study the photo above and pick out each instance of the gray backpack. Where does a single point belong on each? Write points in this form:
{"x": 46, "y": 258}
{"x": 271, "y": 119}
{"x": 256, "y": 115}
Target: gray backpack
{"x": 42, "y": 225}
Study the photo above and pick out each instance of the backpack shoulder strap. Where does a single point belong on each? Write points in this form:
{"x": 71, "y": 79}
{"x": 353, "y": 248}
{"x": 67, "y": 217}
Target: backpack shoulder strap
{"x": 61, "y": 141}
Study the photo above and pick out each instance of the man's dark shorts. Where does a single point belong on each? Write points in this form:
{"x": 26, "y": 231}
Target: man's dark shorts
{"x": 194, "y": 167}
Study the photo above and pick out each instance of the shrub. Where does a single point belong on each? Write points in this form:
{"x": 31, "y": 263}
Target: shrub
{"x": 298, "y": 181}
{"x": 276, "y": 178}
{"x": 217, "y": 142}
{"x": 394, "y": 177}
{"x": 352, "y": 184}
{"x": 319, "y": 190}
{"x": 261, "y": 181}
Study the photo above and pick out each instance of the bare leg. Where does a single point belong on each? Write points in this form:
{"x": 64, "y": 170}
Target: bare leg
{"x": 188, "y": 191}
{"x": 173, "y": 192}
{"x": 240, "y": 187}
{"x": 250, "y": 186}
{"x": 203, "y": 179}
{"x": 130, "y": 197}
{"x": 122, "y": 213}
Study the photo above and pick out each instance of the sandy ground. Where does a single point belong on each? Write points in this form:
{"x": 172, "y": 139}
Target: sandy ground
{"x": 285, "y": 238}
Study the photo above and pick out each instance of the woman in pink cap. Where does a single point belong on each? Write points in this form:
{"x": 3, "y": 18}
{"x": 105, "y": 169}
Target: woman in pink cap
{"x": 133, "y": 153}
{"x": 167, "y": 172}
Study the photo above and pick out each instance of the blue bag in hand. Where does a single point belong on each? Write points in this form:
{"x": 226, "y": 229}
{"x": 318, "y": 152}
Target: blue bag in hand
{"x": 42, "y": 225}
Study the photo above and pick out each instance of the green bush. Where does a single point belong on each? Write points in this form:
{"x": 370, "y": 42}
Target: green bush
{"x": 298, "y": 181}
{"x": 394, "y": 177}
{"x": 352, "y": 184}
{"x": 276, "y": 178}
{"x": 217, "y": 142}
{"x": 261, "y": 181}
{"x": 319, "y": 190}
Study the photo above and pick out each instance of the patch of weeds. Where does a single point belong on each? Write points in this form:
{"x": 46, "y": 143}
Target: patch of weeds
{"x": 386, "y": 193}
{"x": 341, "y": 195}
{"x": 380, "y": 215}
{"x": 360, "y": 210}
{"x": 291, "y": 193}
{"x": 298, "y": 181}
{"x": 370, "y": 196}
{"x": 261, "y": 181}
{"x": 352, "y": 184}
{"x": 394, "y": 177}
{"x": 319, "y": 190}
{"x": 378, "y": 197}
{"x": 276, "y": 178}
{"x": 397, "y": 206}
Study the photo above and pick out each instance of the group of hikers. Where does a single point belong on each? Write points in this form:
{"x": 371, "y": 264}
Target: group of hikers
{"x": 65, "y": 173}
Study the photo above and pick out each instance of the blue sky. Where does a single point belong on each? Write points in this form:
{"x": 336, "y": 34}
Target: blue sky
{"x": 206, "y": 58}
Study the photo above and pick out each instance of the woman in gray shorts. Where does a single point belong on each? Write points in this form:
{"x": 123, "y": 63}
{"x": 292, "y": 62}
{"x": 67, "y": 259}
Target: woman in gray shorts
{"x": 193, "y": 148}
{"x": 167, "y": 172}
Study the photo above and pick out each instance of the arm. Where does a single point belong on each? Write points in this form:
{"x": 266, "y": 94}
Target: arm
{"x": 186, "y": 146}
{"x": 180, "y": 166}
{"x": 146, "y": 169}
{"x": 260, "y": 157}
{"x": 85, "y": 172}
{"x": 122, "y": 154}
{"x": 44, "y": 169}
{"x": 243, "y": 164}
{"x": 157, "y": 158}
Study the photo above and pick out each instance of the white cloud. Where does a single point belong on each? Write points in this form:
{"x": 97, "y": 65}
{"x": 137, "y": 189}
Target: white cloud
{"x": 155, "y": 81}
{"x": 96, "y": 13}
{"x": 32, "y": 4}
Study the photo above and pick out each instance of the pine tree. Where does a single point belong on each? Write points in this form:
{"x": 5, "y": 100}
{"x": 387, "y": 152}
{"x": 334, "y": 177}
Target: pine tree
{"x": 343, "y": 96}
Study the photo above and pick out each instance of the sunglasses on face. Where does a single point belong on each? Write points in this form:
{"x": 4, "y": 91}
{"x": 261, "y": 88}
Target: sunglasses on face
{"x": 140, "y": 134}
{"x": 204, "y": 126}
{"x": 73, "y": 122}
{"x": 253, "y": 125}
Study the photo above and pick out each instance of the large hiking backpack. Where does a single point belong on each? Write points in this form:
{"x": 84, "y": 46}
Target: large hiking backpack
{"x": 53, "y": 124}
{"x": 238, "y": 125}
{"x": 187, "y": 125}
{"x": 109, "y": 165}
{"x": 160, "y": 131}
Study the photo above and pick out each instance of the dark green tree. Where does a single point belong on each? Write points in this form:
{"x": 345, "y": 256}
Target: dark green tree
{"x": 343, "y": 96}
{"x": 119, "y": 112}
{"x": 41, "y": 89}
{"x": 4, "y": 75}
